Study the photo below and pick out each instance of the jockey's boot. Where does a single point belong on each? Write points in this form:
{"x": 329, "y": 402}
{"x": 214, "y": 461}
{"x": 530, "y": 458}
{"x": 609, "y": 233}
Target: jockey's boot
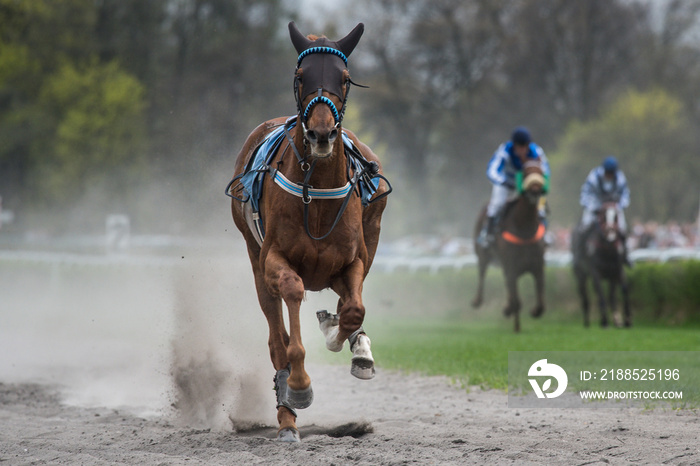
{"x": 486, "y": 235}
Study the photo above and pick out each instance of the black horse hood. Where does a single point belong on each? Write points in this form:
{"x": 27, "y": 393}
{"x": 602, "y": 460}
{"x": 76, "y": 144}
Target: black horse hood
{"x": 324, "y": 70}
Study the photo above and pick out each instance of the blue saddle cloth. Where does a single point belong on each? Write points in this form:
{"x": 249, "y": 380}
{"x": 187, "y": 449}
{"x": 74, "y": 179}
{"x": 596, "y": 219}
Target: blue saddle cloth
{"x": 251, "y": 181}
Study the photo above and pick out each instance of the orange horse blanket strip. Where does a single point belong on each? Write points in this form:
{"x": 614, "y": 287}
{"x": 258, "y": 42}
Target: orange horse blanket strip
{"x": 511, "y": 238}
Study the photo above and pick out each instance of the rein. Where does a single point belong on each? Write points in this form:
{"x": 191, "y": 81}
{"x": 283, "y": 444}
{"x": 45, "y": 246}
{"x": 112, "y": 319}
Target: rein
{"x": 307, "y": 193}
{"x": 361, "y": 172}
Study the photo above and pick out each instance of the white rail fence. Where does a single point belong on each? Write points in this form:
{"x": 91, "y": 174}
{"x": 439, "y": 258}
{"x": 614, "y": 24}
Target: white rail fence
{"x": 383, "y": 263}
{"x": 435, "y": 264}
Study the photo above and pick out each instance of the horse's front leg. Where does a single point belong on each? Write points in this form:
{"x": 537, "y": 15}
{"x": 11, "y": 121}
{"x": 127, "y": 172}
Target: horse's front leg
{"x": 283, "y": 281}
{"x": 538, "y": 275}
{"x": 582, "y": 281}
{"x": 484, "y": 257}
{"x": 624, "y": 288}
{"x": 612, "y": 302}
{"x": 347, "y": 324}
{"x": 513, "y": 305}
{"x": 278, "y": 341}
{"x": 598, "y": 286}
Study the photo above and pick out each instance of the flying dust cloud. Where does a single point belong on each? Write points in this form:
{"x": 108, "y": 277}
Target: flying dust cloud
{"x": 142, "y": 336}
{"x": 221, "y": 381}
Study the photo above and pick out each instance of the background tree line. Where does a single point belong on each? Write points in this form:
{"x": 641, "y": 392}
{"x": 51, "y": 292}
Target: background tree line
{"x": 140, "y": 106}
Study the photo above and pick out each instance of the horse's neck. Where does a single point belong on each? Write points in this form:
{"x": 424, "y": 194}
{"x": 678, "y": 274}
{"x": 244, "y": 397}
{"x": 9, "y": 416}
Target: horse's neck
{"x": 524, "y": 213}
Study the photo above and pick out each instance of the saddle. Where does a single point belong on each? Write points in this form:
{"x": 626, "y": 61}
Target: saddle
{"x": 247, "y": 187}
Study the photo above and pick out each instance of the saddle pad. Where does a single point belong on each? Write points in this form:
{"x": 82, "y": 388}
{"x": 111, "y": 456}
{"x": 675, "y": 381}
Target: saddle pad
{"x": 251, "y": 181}
{"x": 258, "y": 165}
{"x": 367, "y": 186}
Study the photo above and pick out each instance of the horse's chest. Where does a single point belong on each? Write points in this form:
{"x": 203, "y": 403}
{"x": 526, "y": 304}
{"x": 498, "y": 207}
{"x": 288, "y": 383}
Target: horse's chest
{"x": 318, "y": 266}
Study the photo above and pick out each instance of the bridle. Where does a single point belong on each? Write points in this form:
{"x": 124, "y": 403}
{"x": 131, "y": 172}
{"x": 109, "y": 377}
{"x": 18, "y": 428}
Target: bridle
{"x": 523, "y": 182}
{"x": 320, "y": 98}
{"x": 369, "y": 170}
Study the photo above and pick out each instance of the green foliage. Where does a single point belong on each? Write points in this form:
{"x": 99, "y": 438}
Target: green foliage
{"x": 667, "y": 292}
{"x": 652, "y": 138}
{"x": 477, "y": 353}
{"x": 423, "y": 322}
{"x": 68, "y": 120}
{"x": 99, "y": 127}
{"x": 664, "y": 293}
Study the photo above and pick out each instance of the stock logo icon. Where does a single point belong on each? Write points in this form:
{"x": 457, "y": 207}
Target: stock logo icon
{"x": 542, "y": 369}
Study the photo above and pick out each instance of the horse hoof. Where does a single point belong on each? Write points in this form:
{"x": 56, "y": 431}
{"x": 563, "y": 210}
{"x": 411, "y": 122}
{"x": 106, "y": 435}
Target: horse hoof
{"x": 324, "y": 315}
{"x": 329, "y": 325}
{"x": 362, "y": 360}
{"x": 362, "y": 368}
{"x": 476, "y": 303}
{"x": 300, "y": 399}
{"x": 537, "y": 312}
{"x": 288, "y": 434}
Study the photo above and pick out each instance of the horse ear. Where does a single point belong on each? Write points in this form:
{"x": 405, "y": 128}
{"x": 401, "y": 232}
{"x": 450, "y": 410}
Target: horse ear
{"x": 300, "y": 41}
{"x": 347, "y": 44}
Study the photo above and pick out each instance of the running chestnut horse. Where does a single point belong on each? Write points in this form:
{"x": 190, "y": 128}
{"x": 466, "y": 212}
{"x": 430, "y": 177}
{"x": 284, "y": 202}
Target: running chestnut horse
{"x": 317, "y": 224}
{"x": 600, "y": 256}
{"x": 519, "y": 246}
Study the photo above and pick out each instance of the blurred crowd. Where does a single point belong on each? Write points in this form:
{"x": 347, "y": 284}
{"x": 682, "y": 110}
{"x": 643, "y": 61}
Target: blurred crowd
{"x": 649, "y": 235}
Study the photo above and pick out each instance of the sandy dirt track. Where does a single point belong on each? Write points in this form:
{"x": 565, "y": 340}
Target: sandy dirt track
{"x": 163, "y": 365}
{"x": 394, "y": 419}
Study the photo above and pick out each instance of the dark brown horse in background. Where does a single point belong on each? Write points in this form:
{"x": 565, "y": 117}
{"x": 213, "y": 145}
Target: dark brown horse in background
{"x": 520, "y": 246}
{"x": 600, "y": 256}
{"x": 312, "y": 243}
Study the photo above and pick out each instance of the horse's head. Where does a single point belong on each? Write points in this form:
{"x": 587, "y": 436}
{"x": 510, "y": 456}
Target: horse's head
{"x": 608, "y": 221}
{"x": 534, "y": 182}
{"x": 322, "y": 78}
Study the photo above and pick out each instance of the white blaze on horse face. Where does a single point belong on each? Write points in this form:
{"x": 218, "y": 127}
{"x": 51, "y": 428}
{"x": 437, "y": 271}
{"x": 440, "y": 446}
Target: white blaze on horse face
{"x": 610, "y": 221}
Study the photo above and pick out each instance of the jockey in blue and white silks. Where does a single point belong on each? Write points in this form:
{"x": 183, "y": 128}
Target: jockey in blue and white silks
{"x": 605, "y": 183}
{"x": 509, "y": 159}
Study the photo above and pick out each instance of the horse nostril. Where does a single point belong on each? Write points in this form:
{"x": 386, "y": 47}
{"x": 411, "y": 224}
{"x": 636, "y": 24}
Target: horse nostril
{"x": 311, "y": 136}
{"x": 333, "y": 135}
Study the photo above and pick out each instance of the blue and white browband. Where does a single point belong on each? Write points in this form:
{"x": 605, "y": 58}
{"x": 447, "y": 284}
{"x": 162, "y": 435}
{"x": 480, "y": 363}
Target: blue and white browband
{"x": 330, "y": 50}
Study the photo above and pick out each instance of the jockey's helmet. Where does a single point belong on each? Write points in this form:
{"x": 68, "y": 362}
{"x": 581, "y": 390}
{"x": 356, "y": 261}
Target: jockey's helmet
{"x": 610, "y": 164}
{"x": 521, "y": 136}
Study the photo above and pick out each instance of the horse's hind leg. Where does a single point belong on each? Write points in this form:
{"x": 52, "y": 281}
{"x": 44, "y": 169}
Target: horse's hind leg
{"x": 598, "y": 286}
{"x": 624, "y": 287}
{"x": 351, "y": 314}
